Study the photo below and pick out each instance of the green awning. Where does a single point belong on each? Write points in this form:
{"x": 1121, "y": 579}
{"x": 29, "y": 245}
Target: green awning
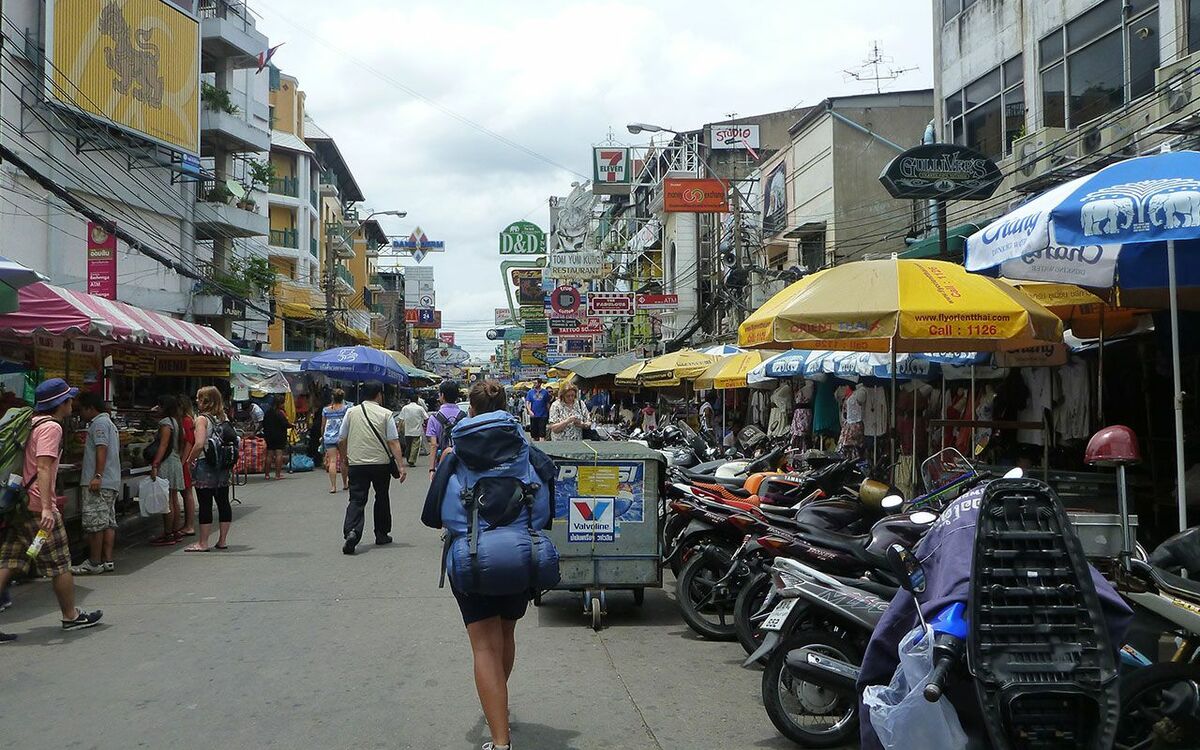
{"x": 956, "y": 241}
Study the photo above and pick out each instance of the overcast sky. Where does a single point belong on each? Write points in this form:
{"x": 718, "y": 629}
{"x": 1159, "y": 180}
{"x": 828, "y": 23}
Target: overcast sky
{"x": 409, "y": 91}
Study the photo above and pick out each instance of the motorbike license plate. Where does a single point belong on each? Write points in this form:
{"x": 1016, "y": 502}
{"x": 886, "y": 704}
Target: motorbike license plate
{"x": 779, "y": 616}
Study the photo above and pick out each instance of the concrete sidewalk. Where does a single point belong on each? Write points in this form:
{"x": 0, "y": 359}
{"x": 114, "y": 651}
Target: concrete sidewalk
{"x": 282, "y": 641}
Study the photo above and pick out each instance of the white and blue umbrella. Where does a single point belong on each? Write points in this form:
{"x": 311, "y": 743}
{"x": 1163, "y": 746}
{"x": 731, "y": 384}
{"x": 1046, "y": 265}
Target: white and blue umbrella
{"x": 358, "y": 364}
{"x": 1131, "y": 204}
{"x": 854, "y": 365}
{"x": 722, "y": 350}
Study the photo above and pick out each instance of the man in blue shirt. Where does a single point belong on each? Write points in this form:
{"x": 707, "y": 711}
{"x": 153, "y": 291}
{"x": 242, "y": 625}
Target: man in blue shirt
{"x": 537, "y": 405}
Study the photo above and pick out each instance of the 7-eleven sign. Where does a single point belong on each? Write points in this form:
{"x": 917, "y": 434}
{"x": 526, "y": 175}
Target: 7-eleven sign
{"x": 611, "y": 165}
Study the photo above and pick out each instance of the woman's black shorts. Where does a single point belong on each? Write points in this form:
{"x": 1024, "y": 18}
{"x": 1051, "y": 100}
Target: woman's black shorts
{"x": 476, "y": 607}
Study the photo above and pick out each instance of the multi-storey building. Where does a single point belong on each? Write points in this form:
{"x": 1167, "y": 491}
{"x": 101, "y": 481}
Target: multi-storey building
{"x": 172, "y": 165}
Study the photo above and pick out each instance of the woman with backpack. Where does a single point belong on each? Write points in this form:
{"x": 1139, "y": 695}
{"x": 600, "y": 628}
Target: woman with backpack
{"x": 331, "y": 430}
{"x": 209, "y": 476}
{"x": 493, "y": 460}
{"x": 167, "y": 464}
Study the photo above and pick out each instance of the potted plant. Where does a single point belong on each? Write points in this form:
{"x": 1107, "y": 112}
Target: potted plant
{"x": 218, "y": 193}
{"x": 261, "y": 174}
{"x": 216, "y": 99}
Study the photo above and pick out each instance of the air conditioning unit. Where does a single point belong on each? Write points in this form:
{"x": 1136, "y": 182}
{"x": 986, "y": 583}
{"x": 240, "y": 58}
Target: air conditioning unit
{"x": 1040, "y": 152}
{"x": 1178, "y": 87}
{"x": 1104, "y": 137}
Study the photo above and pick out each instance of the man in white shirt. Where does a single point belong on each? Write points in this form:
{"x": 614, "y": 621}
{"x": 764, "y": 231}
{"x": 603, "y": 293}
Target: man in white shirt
{"x": 412, "y": 418}
{"x": 370, "y": 442}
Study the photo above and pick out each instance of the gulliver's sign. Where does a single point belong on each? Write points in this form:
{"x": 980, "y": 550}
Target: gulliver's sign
{"x": 941, "y": 171}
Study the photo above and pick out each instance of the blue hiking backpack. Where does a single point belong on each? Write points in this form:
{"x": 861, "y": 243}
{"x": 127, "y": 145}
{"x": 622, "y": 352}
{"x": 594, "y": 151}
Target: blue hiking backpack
{"x": 494, "y": 510}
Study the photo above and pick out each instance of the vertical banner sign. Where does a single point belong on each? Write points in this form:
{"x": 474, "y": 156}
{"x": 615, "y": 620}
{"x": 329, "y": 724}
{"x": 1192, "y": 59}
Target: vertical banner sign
{"x": 447, "y": 337}
{"x": 101, "y": 261}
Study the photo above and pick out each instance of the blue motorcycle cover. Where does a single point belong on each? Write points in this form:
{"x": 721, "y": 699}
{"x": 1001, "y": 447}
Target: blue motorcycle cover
{"x": 946, "y": 553}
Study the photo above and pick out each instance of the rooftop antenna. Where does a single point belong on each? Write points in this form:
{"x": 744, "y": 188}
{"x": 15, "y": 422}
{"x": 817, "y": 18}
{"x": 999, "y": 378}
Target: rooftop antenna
{"x": 611, "y": 140}
{"x": 869, "y": 71}
{"x": 730, "y": 115}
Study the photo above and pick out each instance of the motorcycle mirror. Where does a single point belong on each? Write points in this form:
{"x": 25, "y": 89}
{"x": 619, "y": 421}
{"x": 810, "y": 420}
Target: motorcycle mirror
{"x": 891, "y": 503}
{"x": 1014, "y": 473}
{"x": 907, "y": 568}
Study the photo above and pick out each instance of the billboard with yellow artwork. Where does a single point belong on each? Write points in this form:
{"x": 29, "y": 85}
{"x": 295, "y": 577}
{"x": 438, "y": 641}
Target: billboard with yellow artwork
{"x": 130, "y": 63}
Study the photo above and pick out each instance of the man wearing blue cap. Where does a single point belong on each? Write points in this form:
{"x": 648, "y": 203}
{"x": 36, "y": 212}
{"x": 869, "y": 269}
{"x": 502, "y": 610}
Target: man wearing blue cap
{"x": 54, "y": 400}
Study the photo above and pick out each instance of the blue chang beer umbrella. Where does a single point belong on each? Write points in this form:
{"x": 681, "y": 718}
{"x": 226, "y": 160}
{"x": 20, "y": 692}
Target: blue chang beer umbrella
{"x": 357, "y": 364}
{"x": 1125, "y": 209}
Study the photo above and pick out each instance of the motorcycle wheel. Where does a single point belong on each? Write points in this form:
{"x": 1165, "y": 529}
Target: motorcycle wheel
{"x": 1143, "y": 721}
{"x": 750, "y": 599}
{"x": 687, "y": 550}
{"x": 707, "y": 611}
{"x": 808, "y": 714}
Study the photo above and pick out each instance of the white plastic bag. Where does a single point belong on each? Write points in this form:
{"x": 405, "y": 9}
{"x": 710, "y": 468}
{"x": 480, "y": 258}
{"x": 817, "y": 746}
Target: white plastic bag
{"x": 899, "y": 713}
{"x": 154, "y": 496}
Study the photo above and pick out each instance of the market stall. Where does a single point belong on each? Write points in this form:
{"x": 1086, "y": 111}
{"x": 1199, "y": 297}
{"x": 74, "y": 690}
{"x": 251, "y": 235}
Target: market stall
{"x": 129, "y": 355}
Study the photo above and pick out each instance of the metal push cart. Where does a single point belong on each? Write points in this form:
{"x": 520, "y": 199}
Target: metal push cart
{"x": 607, "y": 519}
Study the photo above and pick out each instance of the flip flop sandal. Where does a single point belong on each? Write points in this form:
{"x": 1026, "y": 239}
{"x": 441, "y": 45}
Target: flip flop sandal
{"x": 195, "y": 549}
{"x": 164, "y": 541}
{"x": 220, "y": 546}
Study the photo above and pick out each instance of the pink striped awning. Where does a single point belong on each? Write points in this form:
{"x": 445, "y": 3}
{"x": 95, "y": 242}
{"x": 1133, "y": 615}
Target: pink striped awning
{"x": 57, "y": 311}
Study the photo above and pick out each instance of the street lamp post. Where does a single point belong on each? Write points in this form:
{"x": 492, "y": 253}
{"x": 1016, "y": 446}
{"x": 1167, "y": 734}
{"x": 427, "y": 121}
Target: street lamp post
{"x": 331, "y": 271}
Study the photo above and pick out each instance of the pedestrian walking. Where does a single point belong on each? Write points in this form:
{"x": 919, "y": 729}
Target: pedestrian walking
{"x": 568, "y": 416}
{"x": 187, "y": 422}
{"x": 210, "y": 477}
{"x": 331, "y": 432}
{"x": 101, "y": 470}
{"x": 442, "y": 421}
{"x": 371, "y": 444}
{"x": 491, "y": 620}
{"x": 167, "y": 464}
{"x": 275, "y": 426}
{"x": 537, "y": 404}
{"x": 54, "y": 400}
{"x": 413, "y": 418}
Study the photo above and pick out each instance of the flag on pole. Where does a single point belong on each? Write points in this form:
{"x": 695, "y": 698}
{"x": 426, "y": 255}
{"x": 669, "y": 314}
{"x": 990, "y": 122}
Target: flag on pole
{"x": 753, "y": 153}
{"x": 265, "y": 57}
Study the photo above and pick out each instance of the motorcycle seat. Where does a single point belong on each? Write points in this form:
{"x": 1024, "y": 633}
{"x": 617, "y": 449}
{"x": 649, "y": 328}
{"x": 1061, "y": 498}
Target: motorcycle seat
{"x": 1174, "y": 584}
{"x": 730, "y": 482}
{"x": 856, "y": 545}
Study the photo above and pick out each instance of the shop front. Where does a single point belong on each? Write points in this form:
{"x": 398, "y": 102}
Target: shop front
{"x": 128, "y": 355}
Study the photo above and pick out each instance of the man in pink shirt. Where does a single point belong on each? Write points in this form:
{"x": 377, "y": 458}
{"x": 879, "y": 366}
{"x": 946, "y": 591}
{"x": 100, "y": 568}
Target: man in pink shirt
{"x": 54, "y": 400}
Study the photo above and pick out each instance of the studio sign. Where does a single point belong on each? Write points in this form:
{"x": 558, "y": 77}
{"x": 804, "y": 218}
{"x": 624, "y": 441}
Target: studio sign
{"x": 941, "y": 170}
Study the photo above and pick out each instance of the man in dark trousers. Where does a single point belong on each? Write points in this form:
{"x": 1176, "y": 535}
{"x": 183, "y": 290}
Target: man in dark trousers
{"x": 370, "y": 442}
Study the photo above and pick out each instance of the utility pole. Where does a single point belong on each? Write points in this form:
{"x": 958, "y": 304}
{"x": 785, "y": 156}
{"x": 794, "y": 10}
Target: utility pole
{"x": 330, "y": 326}
{"x": 737, "y": 245}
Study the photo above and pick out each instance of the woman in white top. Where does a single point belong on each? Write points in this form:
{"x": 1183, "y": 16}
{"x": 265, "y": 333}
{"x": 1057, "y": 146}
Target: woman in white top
{"x": 568, "y": 416}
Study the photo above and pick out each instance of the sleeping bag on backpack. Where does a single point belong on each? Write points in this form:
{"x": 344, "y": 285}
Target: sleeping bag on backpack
{"x": 494, "y": 510}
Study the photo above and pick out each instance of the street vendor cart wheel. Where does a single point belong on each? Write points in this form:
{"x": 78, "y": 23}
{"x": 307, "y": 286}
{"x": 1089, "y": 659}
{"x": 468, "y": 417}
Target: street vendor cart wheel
{"x": 596, "y": 613}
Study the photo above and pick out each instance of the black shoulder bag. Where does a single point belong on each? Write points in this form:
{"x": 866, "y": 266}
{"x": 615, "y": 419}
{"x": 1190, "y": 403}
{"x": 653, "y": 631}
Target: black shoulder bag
{"x": 393, "y": 467}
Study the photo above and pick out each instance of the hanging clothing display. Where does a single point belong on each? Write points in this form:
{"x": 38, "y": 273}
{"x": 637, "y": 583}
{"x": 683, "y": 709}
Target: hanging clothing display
{"x": 760, "y": 406}
{"x": 781, "y": 410}
{"x": 875, "y": 412}
{"x": 1038, "y": 381}
{"x": 1072, "y": 415}
{"x": 825, "y": 409}
{"x": 850, "y": 439}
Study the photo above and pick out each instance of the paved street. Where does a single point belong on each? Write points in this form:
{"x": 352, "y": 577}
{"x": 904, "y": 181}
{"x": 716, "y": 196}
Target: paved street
{"x": 284, "y": 642}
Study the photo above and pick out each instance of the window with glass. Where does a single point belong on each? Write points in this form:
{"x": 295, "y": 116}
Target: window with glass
{"x": 1193, "y": 25}
{"x": 989, "y": 113}
{"x": 1098, "y": 62}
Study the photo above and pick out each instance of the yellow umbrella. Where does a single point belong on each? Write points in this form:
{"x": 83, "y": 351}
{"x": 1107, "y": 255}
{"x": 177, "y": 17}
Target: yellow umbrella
{"x": 400, "y": 357}
{"x": 628, "y": 378}
{"x": 1087, "y": 314}
{"x": 731, "y": 371}
{"x": 672, "y": 369}
{"x": 903, "y": 306}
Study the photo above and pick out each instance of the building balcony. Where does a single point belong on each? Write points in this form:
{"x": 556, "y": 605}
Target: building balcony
{"x": 314, "y": 247}
{"x": 228, "y": 34}
{"x": 285, "y": 238}
{"x": 340, "y": 240}
{"x": 231, "y": 132}
{"x": 375, "y": 284}
{"x": 289, "y": 186}
{"x": 314, "y": 200}
{"x": 344, "y": 281}
{"x": 329, "y": 184}
{"x": 218, "y": 215}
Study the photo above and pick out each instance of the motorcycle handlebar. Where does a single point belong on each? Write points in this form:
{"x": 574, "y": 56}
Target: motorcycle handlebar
{"x": 937, "y": 678}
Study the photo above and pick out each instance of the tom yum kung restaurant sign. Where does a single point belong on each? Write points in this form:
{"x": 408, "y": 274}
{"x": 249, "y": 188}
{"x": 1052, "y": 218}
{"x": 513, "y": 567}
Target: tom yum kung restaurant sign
{"x": 941, "y": 171}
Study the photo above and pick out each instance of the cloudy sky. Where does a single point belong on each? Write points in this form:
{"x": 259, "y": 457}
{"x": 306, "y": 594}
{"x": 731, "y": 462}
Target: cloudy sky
{"x": 469, "y": 114}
